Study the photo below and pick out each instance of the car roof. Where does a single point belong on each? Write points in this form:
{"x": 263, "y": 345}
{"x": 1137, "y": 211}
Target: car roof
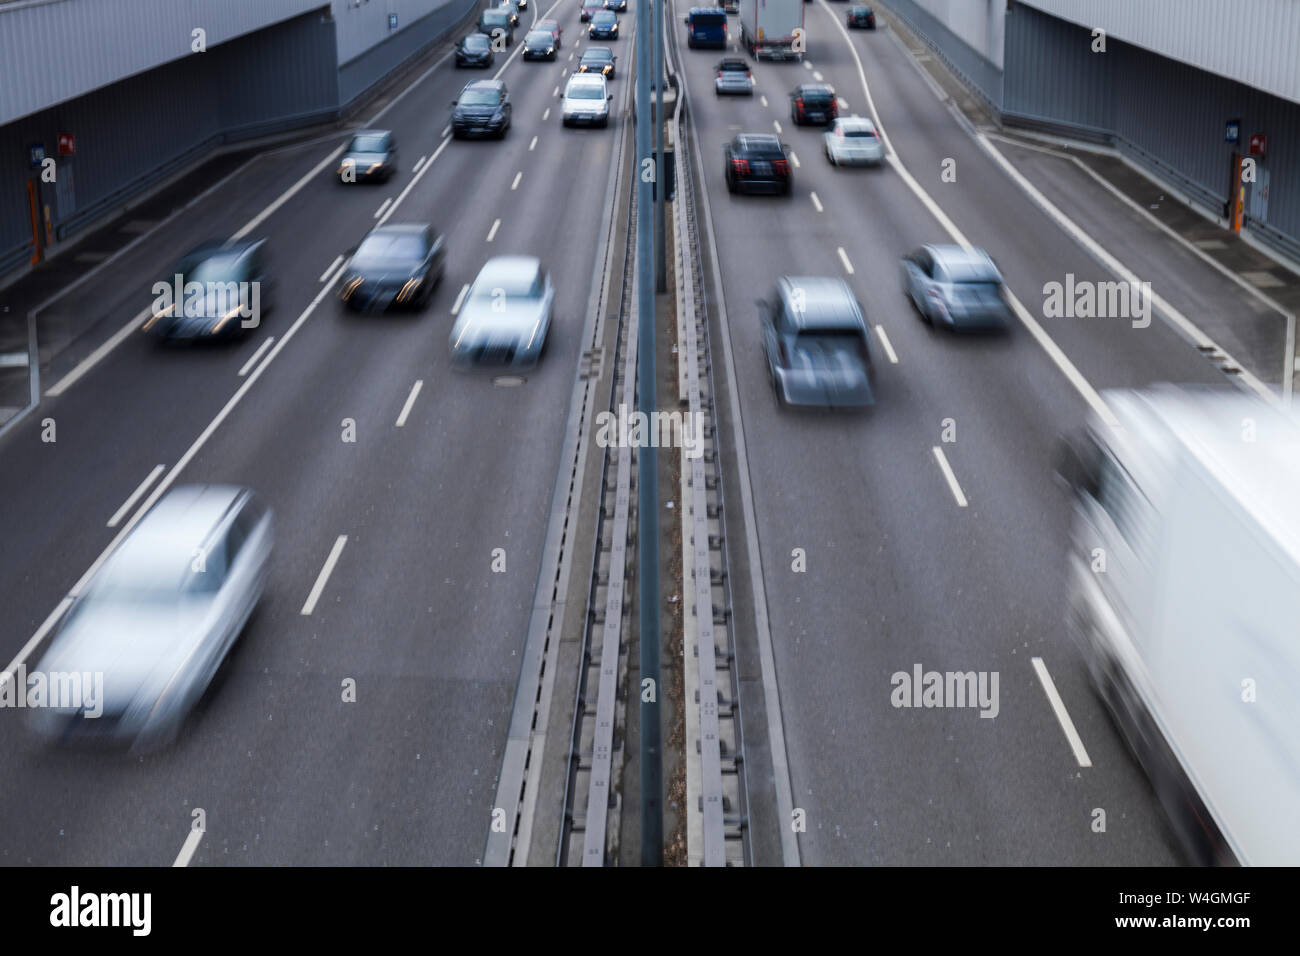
{"x": 177, "y": 525}
{"x": 585, "y": 79}
{"x": 508, "y": 267}
{"x": 964, "y": 265}
{"x": 828, "y": 303}
{"x": 855, "y": 122}
{"x": 815, "y": 88}
{"x": 598, "y": 53}
{"x": 484, "y": 85}
{"x": 748, "y": 140}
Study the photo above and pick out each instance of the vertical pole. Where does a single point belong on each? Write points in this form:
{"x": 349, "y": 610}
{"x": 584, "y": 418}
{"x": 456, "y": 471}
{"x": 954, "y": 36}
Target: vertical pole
{"x": 661, "y": 177}
{"x": 652, "y": 823}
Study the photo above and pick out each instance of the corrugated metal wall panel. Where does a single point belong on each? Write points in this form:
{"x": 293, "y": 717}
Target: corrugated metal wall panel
{"x": 363, "y": 71}
{"x": 1256, "y": 42}
{"x": 978, "y": 72}
{"x": 54, "y": 50}
{"x": 131, "y": 133}
{"x": 1050, "y": 71}
{"x": 365, "y": 27}
{"x": 977, "y": 23}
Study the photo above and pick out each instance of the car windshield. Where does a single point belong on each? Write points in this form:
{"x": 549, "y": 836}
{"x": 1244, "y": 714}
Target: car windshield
{"x": 585, "y": 91}
{"x": 220, "y": 268}
{"x": 480, "y": 98}
{"x": 368, "y": 143}
{"x": 496, "y": 18}
{"x": 604, "y": 18}
{"x": 734, "y": 65}
{"x": 600, "y": 55}
{"x": 475, "y": 42}
{"x": 521, "y": 286}
{"x": 539, "y": 38}
{"x": 383, "y": 250}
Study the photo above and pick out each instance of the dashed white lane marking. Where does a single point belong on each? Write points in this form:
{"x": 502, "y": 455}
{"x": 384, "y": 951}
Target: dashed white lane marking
{"x": 127, "y": 505}
{"x": 188, "y": 847}
{"x": 844, "y": 258}
{"x": 410, "y": 401}
{"x": 955, "y": 488}
{"x": 338, "y": 260}
{"x": 884, "y": 341}
{"x": 455, "y": 307}
{"x": 815, "y": 201}
{"x": 532, "y": 145}
{"x": 383, "y": 206}
{"x": 493, "y": 231}
{"x": 248, "y": 366}
{"x": 323, "y": 578}
{"x": 1062, "y": 715}
{"x": 518, "y": 176}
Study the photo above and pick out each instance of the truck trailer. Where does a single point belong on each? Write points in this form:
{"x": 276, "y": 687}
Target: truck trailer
{"x": 1184, "y": 596}
{"x": 772, "y": 29}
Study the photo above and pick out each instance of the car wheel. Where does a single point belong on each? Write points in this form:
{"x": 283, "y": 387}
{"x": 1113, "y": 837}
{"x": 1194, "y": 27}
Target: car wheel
{"x": 731, "y": 184}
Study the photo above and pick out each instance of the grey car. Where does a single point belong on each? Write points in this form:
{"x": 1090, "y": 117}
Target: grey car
{"x": 157, "y": 619}
{"x": 506, "y": 314}
{"x": 816, "y": 343}
{"x": 371, "y": 156}
{"x": 958, "y": 287}
{"x": 733, "y": 77}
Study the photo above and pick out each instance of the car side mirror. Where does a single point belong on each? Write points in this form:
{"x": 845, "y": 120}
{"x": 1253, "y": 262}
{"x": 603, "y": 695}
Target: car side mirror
{"x": 610, "y": 97}
{"x": 1070, "y": 469}
{"x": 453, "y": 103}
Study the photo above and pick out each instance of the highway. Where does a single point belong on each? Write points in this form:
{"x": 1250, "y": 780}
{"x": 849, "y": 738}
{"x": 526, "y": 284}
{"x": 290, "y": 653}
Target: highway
{"x": 933, "y": 527}
{"x": 898, "y": 572}
{"x": 285, "y": 771}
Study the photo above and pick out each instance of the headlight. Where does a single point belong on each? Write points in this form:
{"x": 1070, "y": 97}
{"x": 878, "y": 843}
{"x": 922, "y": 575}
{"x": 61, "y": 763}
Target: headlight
{"x": 216, "y": 326}
{"x": 350, "y": 287}
{"x": 373, "y": 167}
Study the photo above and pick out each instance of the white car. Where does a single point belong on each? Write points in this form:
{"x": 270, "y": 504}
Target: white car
{"x": 506, "y": 314}
{"x": 852, "y": 141}
{"x": 586, "y": 100}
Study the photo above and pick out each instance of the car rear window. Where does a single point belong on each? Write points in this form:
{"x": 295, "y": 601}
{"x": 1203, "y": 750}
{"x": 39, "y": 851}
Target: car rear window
{"x": 816, "y": 97}
{"x": 828, "y": 344}
{"x": 977, "y": 291}
{"x": 860, "y": 133}
{"x": 738, "y": 65}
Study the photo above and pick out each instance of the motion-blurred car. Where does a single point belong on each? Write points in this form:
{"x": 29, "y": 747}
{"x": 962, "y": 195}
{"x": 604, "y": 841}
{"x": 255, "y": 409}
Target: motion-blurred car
{"x": 506, "y": 314}
{"x": 494, "y": 20}
{"x": 860, "y": 17}
{"x": 757, "y": 162}
{"x": 370, "y": 155}
{"x": 586, "y": 100}
{"x": 597, "y": 59}
{"x": 813, "y": 104}
{"x": 961, "y": 288}
{"x": 482, "y": 109}
{"x": 816, "y": 342}
{"x": 589, "y": 9}
{"x": 522, "y": 4}
{"x": 159, "y": 617}
{"x": 539, "y": 45}
{"x": 731, "y": 6}
{"x": 618, "y": 6}
{"x": 554, "y": 27}
{"x": 733, "y": 77}
{"x": 513, "y": 7}
{"x": 217, "y": 290}
{"x": 395, "y": 265}
{"x": 475, "y": 50}
{"x": 603, "y": 26}
{"x": 852, "y": 141}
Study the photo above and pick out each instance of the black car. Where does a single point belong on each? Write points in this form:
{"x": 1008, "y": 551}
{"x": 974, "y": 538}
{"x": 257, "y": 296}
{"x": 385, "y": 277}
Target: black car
{"x": 483, "y": 109}
{"x": 597, "y": 59}
{"x": 218, "y": 290}
{"x": 539, "y": 45}
{"x": 861, "y": 18}
{"x": 475, "y": 50}
{"x": 813, "y": 103}
{"x": 757, "y": 162}
{"x": 371, "y": 155}
{"x": 603, "y": 25}
{"x": 498, "y": 19}
{"x": 395, "y": 266}
{"x": 618, "y": 6}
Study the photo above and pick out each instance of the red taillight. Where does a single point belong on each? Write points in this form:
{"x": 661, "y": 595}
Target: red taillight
{"x": 719, "y": 74}
{"x": 740, "y": 166}
{"x": 799, "y": 103}
{"x": 782, "y": 166}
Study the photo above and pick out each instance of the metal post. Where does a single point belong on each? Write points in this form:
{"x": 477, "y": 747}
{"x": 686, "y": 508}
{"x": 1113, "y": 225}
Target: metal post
{"x": 652, "y": 821}
{"x": 661, "y": 180}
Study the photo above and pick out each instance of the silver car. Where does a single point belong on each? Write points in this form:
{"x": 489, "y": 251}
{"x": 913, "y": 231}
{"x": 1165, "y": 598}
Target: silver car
{"x": 158, "y": 618}
{"x": 852, "y": 141}
{"x": 733, "y": 77}
{"x": 586, "y": 100}
{"x": 816, "y": 342}
{"x": 958, "y": 287}
{"x": 506, "y": 314}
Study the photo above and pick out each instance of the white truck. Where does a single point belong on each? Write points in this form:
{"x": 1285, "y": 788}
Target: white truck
{"x": 772, "y": 29}
{"x": 1185, "y": 597}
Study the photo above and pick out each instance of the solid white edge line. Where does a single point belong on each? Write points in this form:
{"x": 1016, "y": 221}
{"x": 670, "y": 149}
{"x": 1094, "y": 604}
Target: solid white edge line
{"x": 93, "y": 359}
{"x": 120, "y": 513}
{"x": 949, "y": 476}
{"x": 460, "y": 298}
{"x": 332, "y": 266}
{"x": 493, "y": 231}
{"x": 884, "y": 341}
{"x": 1062, "y": 715}
{"x": 410, "y": 401}
{"x": 1046, "y": 342}
{"x": 188, "y": 847}
{"x": 248, "y": 366}
{"x": 323, "y": 578}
